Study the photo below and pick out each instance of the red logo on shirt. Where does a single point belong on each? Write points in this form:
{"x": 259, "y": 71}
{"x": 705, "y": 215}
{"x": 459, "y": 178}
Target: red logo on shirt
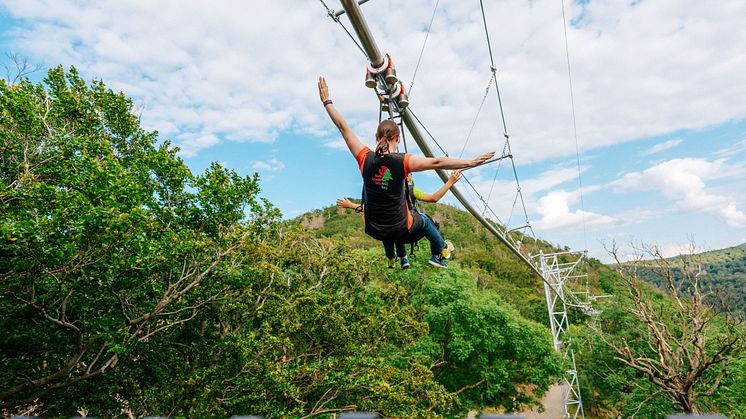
{"x": 383, "y": 177}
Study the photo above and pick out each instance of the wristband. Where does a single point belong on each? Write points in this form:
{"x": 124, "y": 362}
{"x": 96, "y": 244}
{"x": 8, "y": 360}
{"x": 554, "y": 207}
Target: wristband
{"x": 328, "y": 102}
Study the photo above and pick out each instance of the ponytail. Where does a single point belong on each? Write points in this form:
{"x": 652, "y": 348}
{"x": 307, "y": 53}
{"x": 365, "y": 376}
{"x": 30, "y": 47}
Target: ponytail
{"x": 387, "y": 130}
{"x": 382, "y": 147}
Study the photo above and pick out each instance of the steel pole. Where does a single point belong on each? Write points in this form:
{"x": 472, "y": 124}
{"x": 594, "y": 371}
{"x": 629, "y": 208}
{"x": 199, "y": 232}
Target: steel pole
{"x": 339, "y": 13}
{"x": 363, "y": 33}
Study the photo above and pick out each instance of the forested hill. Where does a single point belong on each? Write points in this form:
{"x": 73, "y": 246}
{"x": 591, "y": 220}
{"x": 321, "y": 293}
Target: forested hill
{"x": 724, "y": 270}
{"x": 477, "y": 252}
{"x": 609, "y": 388}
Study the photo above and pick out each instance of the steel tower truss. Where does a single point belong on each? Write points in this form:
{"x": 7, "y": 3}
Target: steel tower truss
{"x": 556, "y": 273}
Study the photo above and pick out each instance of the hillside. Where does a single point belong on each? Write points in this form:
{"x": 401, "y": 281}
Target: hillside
{"x": 724, "y": 270}
{"x": 477, "y": 252}
{"x": 605, "y": 382}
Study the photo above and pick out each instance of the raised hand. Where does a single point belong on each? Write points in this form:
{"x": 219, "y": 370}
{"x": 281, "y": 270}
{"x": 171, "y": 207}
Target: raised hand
{"x": 346, "y": 203}
{"x": 455, "y": 176}
{"x": 483, "y": 158}
{"x": 323, "y": 89}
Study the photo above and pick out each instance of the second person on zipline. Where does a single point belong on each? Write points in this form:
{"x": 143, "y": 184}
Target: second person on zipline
{"x": 387, "y": 214}
{"x": 415, "y": 194}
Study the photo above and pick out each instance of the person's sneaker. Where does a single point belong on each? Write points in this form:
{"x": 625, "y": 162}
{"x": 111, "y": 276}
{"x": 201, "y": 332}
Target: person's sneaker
{"x": 447, "y": 251}
{"x": 391, "y": 262}
{"x": 437, "y": 260}
{"x": 404, "y": 263}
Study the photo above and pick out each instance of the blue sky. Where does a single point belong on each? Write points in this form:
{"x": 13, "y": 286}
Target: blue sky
{"x": 659, "y": 88}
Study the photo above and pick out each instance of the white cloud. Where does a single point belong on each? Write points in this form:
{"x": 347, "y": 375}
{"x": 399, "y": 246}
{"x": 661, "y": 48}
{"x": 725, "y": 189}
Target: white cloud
{"x": 663, "y": 146}
{"x": 191, "y": 143}
{"x": 248, "y": 73}
{"x": 271, "y": 165}
{"x": 732, "y": 150}
{"x": 554, "y": 209}
{"x": 204, "y": 68}
{"x": 550, "y": 178}
{"x": 683, "y": 180}
{"x": 335, "y": 143}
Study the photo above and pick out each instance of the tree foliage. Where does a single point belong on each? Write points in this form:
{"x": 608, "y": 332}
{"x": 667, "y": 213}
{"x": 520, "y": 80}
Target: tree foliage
{"x": 488, "y": 353}
{"x": 130, "y": 286}
{"x": 675, "y": 349}
{"x": 108, "y": 241}
{"x": 723, "y": 270}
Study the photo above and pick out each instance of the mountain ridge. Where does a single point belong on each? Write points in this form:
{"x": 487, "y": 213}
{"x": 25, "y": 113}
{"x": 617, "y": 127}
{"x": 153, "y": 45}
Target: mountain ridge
{"x": 724, "y": 271}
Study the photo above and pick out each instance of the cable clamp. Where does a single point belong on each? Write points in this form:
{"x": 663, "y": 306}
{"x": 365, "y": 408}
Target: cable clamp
{"x": 386, "y": 63}
{"x": 395, "y": 90}
{"x": 493, "y": 69}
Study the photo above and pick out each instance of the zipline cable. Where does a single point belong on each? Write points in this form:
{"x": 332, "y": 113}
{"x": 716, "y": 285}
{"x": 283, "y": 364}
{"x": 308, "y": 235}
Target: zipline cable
{"x": 334, "y": 17}
{"x": 494, "y": 179}
{"x": 427, "y": 35}
{"x": 427, "y": 131}
{"x": 489, "y": 45}
{"x": 492, "y": 65}
{"x": 502, "y": 112}
{"x": 574, "y": 124}
{"x": 476, "y": 117}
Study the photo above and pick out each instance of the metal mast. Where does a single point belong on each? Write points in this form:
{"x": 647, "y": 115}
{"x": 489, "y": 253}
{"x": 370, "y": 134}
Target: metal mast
{"x": 556, "y": 274}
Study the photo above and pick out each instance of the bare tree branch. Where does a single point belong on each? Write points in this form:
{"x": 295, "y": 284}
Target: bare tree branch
{"x": 19, "y": 69}
{"x": 682, "y": 341}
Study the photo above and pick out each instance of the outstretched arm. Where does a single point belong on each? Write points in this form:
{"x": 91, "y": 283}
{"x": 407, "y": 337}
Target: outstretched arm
{"x": 418, "y": 164}
{"x": 353, "y": 143}
{"x": 346, "y": 203}
{"x": 435, "y": 197}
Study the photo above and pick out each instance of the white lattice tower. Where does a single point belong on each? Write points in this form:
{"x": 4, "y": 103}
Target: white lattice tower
{"x": 558, "y": 297}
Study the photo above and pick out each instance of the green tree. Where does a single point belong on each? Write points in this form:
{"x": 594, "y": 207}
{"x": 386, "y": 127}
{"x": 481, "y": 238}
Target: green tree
{"x": 484, "y": 351}
{"x": 107, "y": 240}
{"x": 680, "y": 344}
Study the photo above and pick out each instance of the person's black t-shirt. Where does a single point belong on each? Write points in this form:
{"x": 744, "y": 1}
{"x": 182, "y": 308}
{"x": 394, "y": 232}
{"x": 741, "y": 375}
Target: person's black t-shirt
{"x": 387, "y": 214}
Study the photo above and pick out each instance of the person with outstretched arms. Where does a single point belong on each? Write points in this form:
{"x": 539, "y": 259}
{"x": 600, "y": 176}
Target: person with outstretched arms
{"x": 387, "y": 214}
